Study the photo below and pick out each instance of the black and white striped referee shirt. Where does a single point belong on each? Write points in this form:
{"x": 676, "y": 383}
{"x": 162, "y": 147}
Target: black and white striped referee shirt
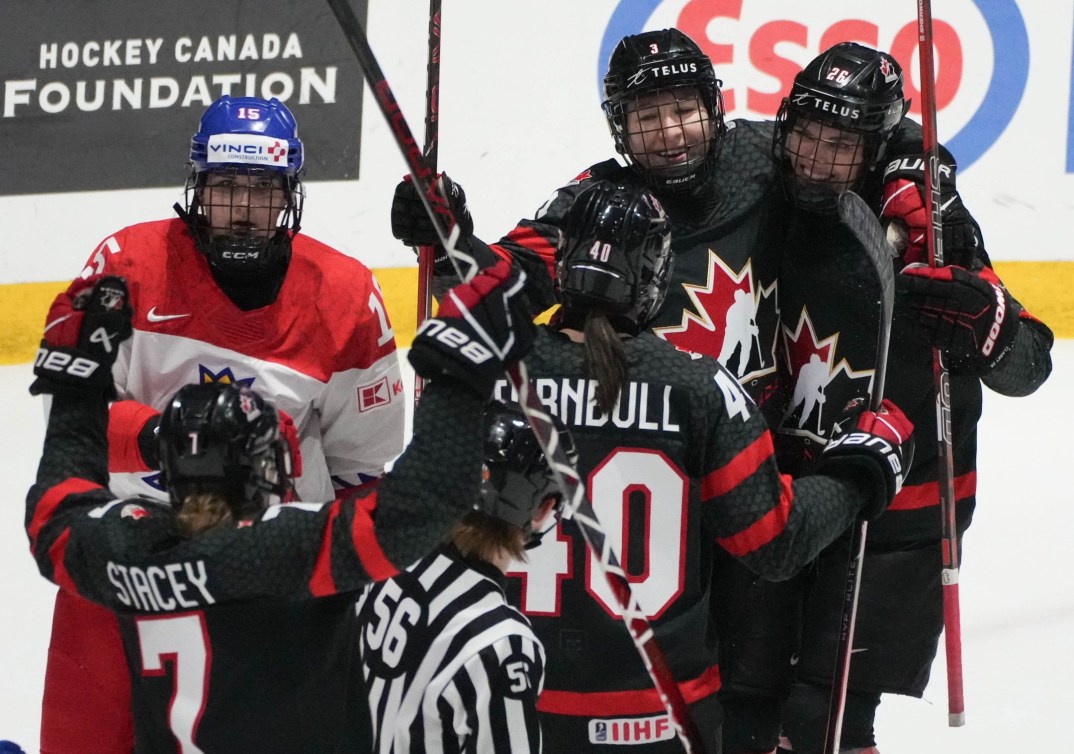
{"x": 449, "y": 666}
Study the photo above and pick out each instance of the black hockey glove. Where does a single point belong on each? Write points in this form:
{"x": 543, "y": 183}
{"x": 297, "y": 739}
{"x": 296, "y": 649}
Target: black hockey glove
{"x": 875, "y": 449}
{"x": 903, "y": 208}
{"x": 482, "y": 327}
{"x": 411, "y": 223}
{"x": 83, "y": 330}
{"x": 969, "y": 315}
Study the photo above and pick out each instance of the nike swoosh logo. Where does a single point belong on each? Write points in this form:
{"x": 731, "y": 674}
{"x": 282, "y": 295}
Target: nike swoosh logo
{"x": 152, "y": 316}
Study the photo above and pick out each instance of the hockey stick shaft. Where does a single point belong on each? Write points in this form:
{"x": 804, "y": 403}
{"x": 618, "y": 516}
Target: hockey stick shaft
{"x": 566, "y": 475}
{"x": 956, "y": 709}
{"x": 859, "y": 218}
{"x": 426, "y": 254}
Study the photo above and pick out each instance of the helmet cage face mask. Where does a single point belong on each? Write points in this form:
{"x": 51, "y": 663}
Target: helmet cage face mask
{"x": 517, "y": 478}
{"x": 615, "y": 256}
{"x": 243, "y": 196}
{"x": 223, "y": 439}
{"x": 833, "y": 128}
{"x": 664, "y": 108}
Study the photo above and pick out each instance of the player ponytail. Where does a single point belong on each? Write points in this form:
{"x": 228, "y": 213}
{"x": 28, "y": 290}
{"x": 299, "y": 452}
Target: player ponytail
{"x": 604, "y": 359}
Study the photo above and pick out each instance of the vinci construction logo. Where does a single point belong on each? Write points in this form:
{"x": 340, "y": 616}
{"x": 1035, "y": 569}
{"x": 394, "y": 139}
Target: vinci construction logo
{"x": 981, "y": 50}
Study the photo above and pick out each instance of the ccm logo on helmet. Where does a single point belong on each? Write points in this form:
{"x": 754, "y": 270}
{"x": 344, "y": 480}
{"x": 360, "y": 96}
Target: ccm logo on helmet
{"x": 450, "y": 336}
{"x": 1001, "y": 314}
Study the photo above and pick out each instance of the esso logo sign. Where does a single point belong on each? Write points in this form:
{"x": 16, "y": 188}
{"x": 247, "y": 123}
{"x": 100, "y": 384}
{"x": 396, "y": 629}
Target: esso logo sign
{"x": 757, "y": 47}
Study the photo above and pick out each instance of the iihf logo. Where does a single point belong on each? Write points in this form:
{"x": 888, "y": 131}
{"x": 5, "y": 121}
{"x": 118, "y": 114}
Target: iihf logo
{"x": 600, "y": 732}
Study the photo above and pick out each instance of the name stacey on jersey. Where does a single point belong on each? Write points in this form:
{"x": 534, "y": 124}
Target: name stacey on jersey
{"x": 161, "y": 588}
{"x": 641, "y": 404}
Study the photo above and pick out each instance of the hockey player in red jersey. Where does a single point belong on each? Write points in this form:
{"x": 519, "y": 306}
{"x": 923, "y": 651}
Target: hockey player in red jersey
{"x": 448, "y": 664}
{"x": 841, "y": 127}
{"x": 219, "y": 661}
{"x": 678, "y": 462}
{"x": 230, "y": 291}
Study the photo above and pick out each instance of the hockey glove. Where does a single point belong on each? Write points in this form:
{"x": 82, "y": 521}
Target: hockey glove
{"x": 969, "y": 315}
{"x": 411, "y": 223}
{"x": 83, "y": 330}
{"x": 903, "y": 208}
{"x": 482, "y": 327}
{"x": 875, "y": 449}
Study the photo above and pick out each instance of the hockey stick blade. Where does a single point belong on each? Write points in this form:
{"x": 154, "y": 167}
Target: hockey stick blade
{"x": 860, "y": 219}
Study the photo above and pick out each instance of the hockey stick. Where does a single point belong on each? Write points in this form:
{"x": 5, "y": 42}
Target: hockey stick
{"x": 952, "y": 624}
{"x": 426, "y": 254}
{"x": 566, "y": 475}
{"x": 863, "y": 223}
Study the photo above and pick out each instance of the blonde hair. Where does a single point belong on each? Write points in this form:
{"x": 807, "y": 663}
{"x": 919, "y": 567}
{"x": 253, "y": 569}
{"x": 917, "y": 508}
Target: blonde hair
{"x": 203, "y": 511}
{"x": 479, "y": 535}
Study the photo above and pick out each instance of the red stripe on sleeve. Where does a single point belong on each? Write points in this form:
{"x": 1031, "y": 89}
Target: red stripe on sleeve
{"x": 928, "y": 494}
{"x": 51, "y": 500}
{"x": 321, "y": 582}
{"x": 740, "y": 467}
{"x": 766, "y": 528}
{"x": 536, "y": 243}
{"x": 57, "y": 553}
{"x": 372, "y": 557}
{"x": 644, "y": 701}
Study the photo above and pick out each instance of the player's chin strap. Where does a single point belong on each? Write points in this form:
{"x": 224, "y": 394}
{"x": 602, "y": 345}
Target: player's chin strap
{"x": 566, "y": 476}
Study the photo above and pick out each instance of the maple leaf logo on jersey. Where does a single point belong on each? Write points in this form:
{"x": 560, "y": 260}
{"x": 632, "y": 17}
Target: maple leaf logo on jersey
{"x": 225, "y": 376}
{"x": 732, "y": 318}
{"x": 822, "y": 386}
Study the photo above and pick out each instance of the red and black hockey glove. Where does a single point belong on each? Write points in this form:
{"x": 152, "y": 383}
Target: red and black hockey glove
{"x": 482, "y": 327}
{"x": 83, "y": 330}
{"x": 875, "y": 449}
{"x": 411, "y": 223}
{"x": 969, "y": 315}
{"x": 903, "y": 209}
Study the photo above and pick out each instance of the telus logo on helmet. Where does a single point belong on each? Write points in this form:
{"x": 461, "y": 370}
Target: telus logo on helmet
{"x": 757, "y": 48}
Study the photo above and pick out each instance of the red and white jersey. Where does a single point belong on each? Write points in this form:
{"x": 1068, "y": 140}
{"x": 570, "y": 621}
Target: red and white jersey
{"x": 323, "y": 351}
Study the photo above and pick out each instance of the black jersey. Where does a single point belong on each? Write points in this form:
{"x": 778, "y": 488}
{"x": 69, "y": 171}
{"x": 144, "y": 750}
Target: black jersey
{"x": 830, "y": 318}
{"x": 218, "y": 660}
{"x": 683, "y": 465}
{"x": 722, "y": 299}
{"x": 448, "y": 665}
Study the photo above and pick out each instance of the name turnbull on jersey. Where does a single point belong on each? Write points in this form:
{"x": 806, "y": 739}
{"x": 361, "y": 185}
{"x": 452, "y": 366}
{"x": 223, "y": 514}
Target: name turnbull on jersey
{"x": 641, "y": 405}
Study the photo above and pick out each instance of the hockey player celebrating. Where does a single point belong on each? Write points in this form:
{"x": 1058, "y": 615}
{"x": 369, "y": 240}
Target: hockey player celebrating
{"x": 217, "y": 659}
{"x": 842, "y": 127}
{"x": 230, "y": 291}
{"x": 719, "y": 186}
{"x": 678, "y": 461}
{"x": 448, "y": 664}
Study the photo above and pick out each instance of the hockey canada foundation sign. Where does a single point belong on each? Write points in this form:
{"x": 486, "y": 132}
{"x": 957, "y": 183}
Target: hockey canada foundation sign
{"x": 100, "y": 96}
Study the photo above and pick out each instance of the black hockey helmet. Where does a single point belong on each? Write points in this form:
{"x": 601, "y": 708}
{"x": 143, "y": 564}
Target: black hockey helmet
{"x": 224, "y": 439}
{"x": 248, "y": 150}
{"x": 652, "y": 63}
{"x": 517, "y": 477}
{"x": 615, "y": 256}
{"x": 849, "y": 87}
